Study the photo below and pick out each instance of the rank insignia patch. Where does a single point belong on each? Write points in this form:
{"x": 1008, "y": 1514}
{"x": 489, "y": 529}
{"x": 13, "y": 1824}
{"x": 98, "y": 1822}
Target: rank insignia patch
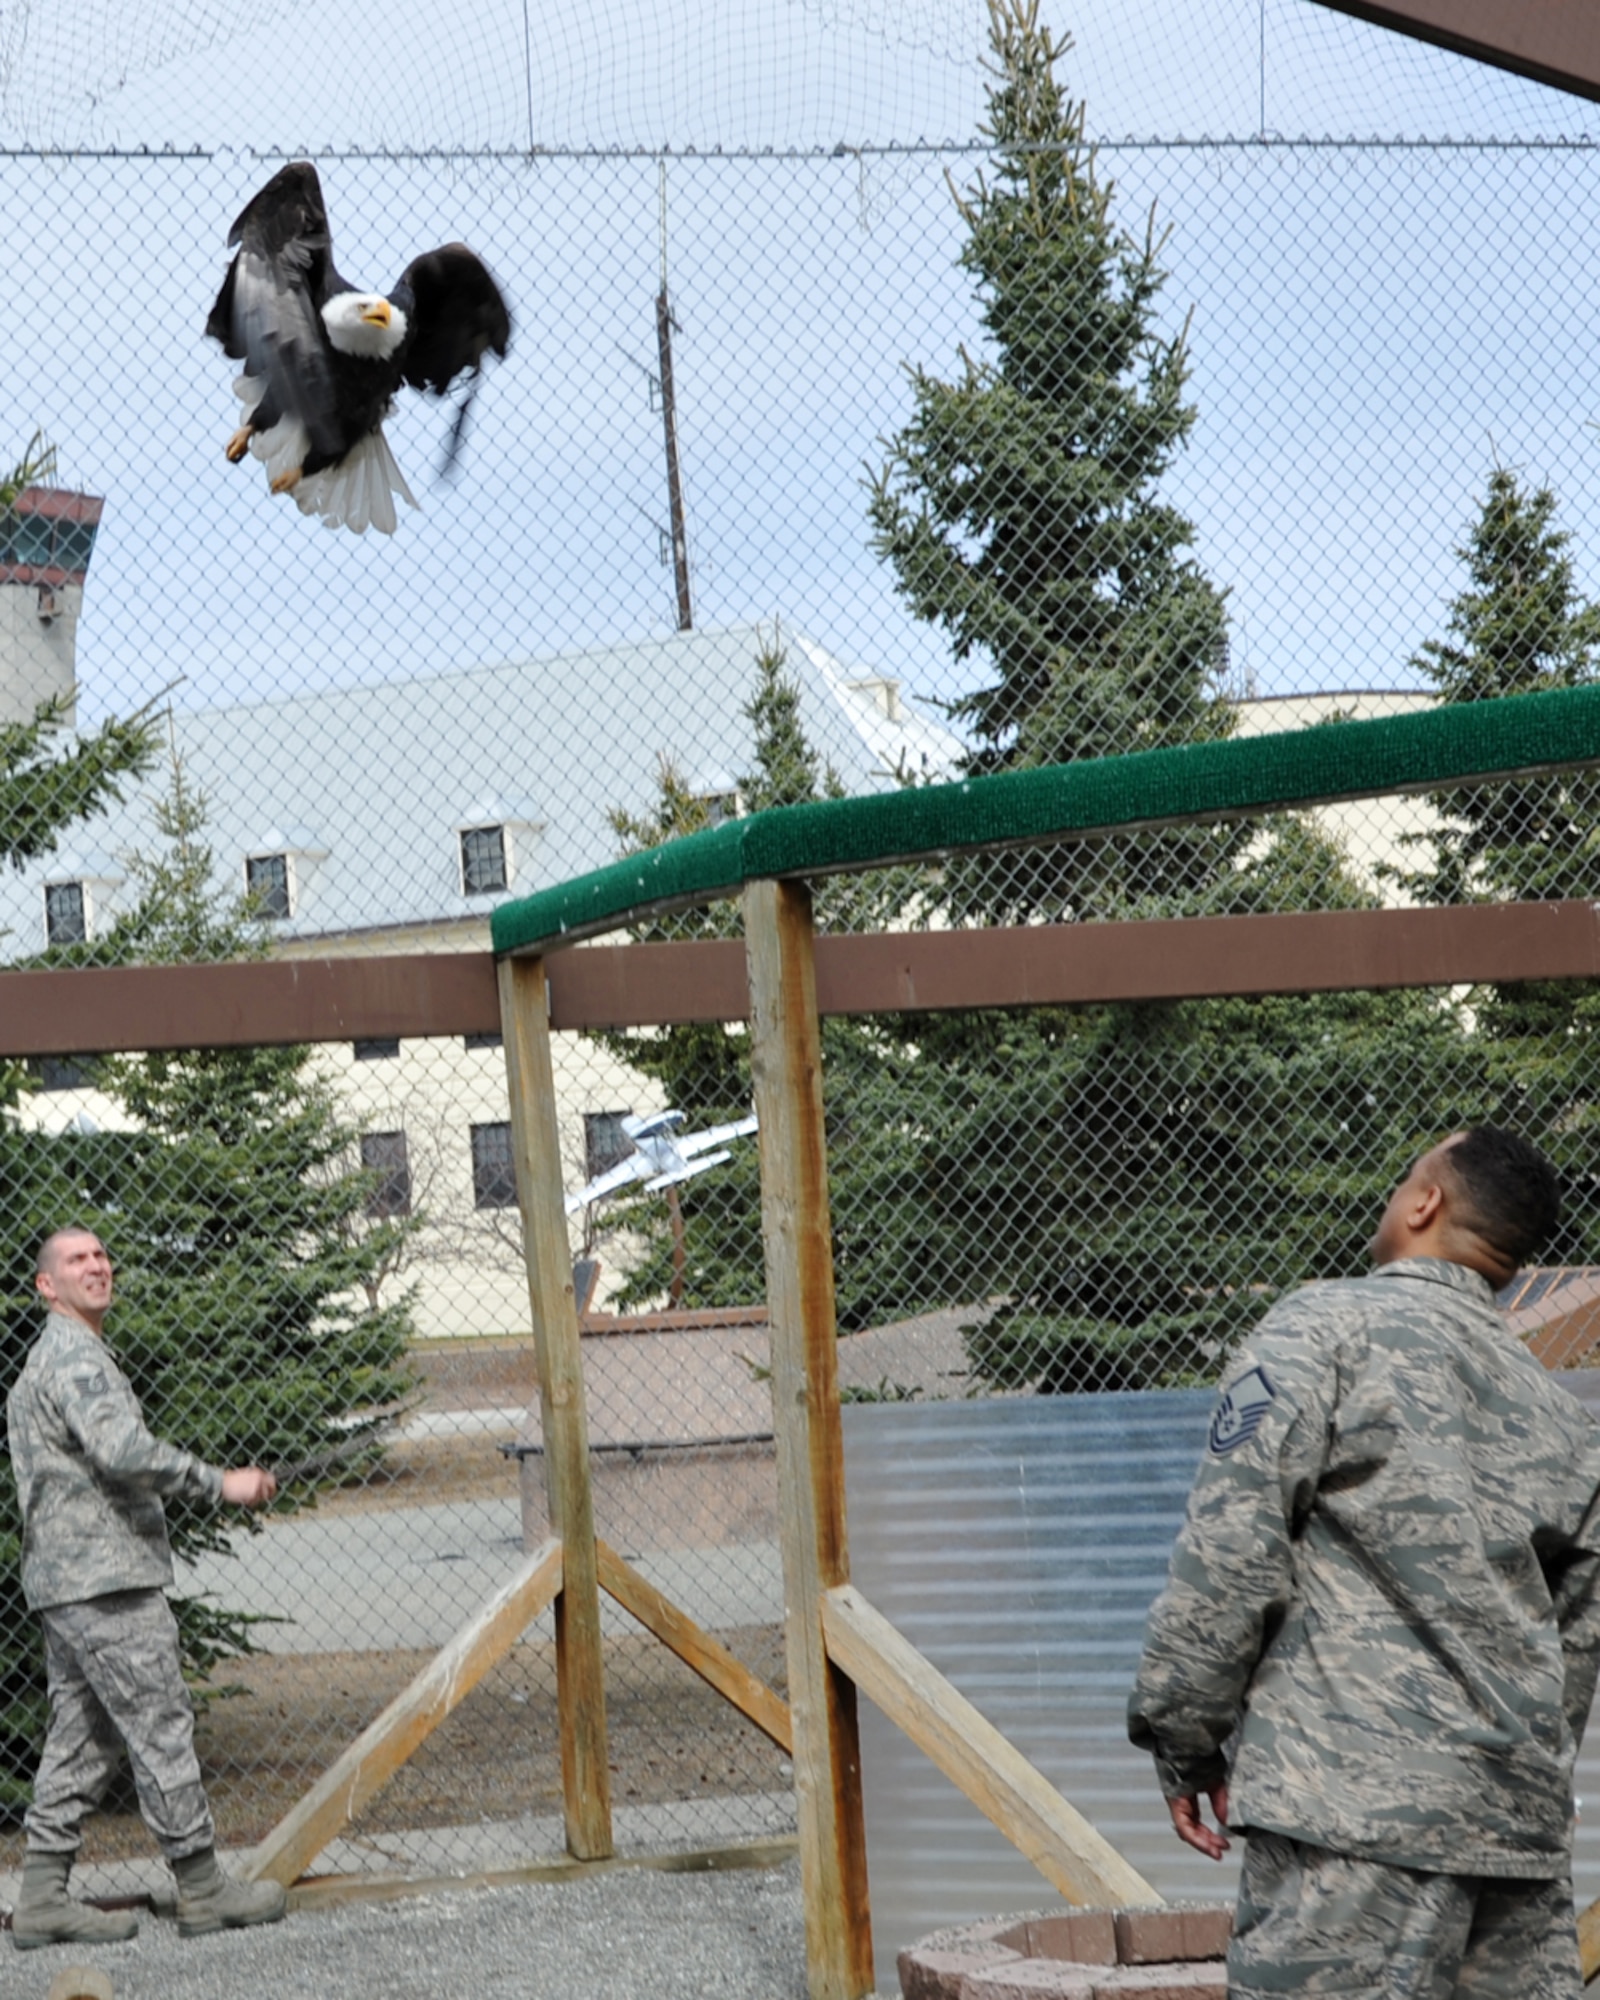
{"x": 1244, "y": 1403}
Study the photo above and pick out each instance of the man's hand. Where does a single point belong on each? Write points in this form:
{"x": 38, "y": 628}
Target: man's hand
{"x": 1190, "y": 1827}
{"x": 249, "y": 1486}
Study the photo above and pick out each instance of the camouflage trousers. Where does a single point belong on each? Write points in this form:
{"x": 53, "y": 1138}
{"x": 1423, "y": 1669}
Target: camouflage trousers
{"x": 115, "y": 1680}
{"x": 1311, "y": 1922}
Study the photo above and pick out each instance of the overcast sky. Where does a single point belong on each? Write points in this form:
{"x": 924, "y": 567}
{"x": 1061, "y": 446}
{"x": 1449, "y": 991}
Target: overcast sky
{"x": 1371, "y": 326}
{"x": 316, "y": 74}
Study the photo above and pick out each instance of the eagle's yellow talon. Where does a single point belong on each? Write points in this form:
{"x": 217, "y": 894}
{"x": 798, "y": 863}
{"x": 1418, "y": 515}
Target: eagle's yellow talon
{"x": 239, "y": 443}
{"x": 286, "y": 482}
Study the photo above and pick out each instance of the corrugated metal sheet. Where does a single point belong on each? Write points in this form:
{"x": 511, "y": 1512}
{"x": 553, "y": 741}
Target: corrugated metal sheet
{"x": 1018, "y": 1544}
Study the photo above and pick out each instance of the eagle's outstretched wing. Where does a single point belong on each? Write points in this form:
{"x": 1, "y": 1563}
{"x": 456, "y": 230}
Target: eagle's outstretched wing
{"x": 268, "y": 312}
{"x": 458, "y": 314}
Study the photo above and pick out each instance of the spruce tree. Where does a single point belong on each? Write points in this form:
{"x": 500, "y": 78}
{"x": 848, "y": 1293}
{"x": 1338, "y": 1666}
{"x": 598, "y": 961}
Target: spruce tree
{"x": 703, "y": 1068}
{"x": 50, "y": 781}
{"x": 240, "y": 1316}
{"x": 1115, "y": 1187}
{"x": 243, "y": 1318}
{"x": 1019, "y": 507}
{"x": 1521, "y": 625}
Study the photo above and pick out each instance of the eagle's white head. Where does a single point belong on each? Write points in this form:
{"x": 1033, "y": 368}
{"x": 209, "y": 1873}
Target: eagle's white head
{"x": 364, "y": 323}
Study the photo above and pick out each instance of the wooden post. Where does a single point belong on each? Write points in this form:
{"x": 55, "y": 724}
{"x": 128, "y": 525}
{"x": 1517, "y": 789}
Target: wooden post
{"x": 786, "y": 1058}
{"x": 536, "y": 1149}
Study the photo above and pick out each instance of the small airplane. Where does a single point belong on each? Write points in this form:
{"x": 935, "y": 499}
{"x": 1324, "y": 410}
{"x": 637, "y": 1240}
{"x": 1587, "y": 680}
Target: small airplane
{"x": 660, "y": 1157}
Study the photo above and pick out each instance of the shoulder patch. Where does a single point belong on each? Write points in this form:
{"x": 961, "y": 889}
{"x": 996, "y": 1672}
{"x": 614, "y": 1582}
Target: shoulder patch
{"x": 89, "y": 1380}
{"x": 1244, "y": 1403}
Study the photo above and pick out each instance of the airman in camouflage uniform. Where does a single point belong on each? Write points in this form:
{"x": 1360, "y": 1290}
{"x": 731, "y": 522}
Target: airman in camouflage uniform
{"x": 95, "y": 1566}
{"x": 1377, "y": 1645}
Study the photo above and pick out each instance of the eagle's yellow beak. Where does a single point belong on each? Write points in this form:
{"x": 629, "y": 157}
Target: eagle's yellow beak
{"x": 378, "y": 313}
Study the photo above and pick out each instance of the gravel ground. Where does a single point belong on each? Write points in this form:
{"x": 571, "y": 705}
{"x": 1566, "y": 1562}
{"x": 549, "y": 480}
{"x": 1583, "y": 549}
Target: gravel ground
{"x": 628, "y": 1934}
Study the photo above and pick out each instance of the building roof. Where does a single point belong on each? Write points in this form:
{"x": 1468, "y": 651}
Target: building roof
{"x": 368, "y": 789}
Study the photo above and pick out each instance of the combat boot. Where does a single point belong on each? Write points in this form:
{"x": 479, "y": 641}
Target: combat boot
{"x": 46, "y": 1914}
{"x": 208, "y": 1901}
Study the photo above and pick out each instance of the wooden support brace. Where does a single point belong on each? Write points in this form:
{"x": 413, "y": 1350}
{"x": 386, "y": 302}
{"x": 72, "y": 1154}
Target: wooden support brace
{"x": 709, "y": 1658}
{"x": 786, "y": 1063}
{"x": 536, "y": 1150}
{"x": 385, "y": 1744}
{"x": 1067, "y": 1851}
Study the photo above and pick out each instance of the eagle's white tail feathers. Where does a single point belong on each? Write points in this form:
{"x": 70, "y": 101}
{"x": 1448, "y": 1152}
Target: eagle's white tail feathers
{"x": 356, "y": 493}
{"x": 359, "y": 491}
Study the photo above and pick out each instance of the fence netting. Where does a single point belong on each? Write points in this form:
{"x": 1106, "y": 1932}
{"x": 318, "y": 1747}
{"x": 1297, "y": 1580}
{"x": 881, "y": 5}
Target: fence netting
{"x": 872, "y": 417}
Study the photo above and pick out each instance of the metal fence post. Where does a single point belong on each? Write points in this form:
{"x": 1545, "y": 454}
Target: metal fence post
{"x": 786, "y": 1059}
{"x": 536, "y": 1148}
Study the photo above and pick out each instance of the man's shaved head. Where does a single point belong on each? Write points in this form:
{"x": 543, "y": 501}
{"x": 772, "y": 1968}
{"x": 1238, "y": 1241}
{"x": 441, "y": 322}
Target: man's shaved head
{"x": 75, "y": 1275}
{"x": 49, "y": 1248}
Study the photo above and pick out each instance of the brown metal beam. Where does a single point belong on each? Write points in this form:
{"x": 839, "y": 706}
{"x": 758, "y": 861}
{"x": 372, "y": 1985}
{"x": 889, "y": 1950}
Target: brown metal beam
{"x": 648, "y": 985}
{"x": 655, "y": 985}
{"x": 603, "y": 986}
{"x": 1552, "y": 41}
{"x": 239, "y": 1006}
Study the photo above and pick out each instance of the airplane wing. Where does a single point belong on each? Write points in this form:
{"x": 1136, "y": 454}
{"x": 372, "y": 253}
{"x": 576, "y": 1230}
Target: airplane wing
{"x": 633, "y": 1168}
{"x": 697, "y": 1142}
{"x": 686, "y": 1172}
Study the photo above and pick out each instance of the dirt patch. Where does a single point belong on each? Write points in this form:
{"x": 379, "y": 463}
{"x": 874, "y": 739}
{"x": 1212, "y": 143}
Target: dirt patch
{"x": 427, "y": 1472}
{"x": 496, "y": 1757}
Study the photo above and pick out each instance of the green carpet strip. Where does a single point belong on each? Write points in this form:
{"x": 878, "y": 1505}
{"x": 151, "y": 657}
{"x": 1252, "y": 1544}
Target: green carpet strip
{"x": 1432, "y": 750}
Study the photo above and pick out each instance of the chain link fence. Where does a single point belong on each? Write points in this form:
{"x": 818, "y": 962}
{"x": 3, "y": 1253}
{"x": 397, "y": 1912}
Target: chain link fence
{"x": 962, "y": 482}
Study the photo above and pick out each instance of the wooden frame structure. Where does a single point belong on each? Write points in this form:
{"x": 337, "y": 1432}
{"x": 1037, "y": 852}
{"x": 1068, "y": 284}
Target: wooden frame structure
{"x": 837, "y": 1644}
{"x": 782, "y": 979}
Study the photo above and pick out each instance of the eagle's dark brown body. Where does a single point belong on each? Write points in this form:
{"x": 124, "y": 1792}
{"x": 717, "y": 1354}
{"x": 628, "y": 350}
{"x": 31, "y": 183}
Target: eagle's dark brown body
{"x": 322, "y": 360}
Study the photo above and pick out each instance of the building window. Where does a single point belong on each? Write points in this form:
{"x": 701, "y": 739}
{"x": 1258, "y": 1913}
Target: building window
{"x": 66, "y": 913}
{"x": 494, "y": 1179}
{"x": 604, "y": 1141}
{"x": 377, "y": 1048}
{"x": 487, "y": 1038}
{"x": 62, "y": 1072}
{"x": 384, "y": 1154}
{"x": 48, "y": 529}
{"x": 266, "y": 877}
{"x": 483, "y": 860}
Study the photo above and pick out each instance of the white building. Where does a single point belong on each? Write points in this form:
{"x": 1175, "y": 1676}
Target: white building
{"x": 394, "y": 817}
{"x": 1371, "y": 832}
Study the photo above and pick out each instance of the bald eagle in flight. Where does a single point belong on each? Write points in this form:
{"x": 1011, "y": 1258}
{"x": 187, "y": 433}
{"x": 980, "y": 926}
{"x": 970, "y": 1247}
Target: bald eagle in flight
{"x": 323, "y": 359}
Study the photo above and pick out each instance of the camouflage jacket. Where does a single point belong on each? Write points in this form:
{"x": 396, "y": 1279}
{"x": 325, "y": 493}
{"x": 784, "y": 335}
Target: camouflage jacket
{"x": 1388, "y": 1582}
{"x": 89, "y": 1475}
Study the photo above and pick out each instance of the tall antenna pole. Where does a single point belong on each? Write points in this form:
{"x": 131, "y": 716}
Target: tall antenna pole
{"x": 669, "y": 417}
